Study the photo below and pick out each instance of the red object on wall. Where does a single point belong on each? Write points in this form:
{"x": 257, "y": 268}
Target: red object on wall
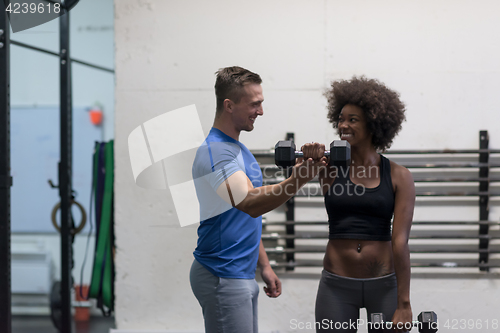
{"x": 82, "y": 313}
{"x": 95, "y": 116}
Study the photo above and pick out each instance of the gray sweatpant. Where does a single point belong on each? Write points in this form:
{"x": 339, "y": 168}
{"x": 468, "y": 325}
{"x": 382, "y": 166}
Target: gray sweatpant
{"x": 340, "y": 298}
{"x": 228, "y": 305}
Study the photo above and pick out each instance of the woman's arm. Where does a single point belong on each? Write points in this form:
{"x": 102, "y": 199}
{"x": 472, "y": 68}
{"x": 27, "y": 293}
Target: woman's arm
{"x": 403, "y": 215}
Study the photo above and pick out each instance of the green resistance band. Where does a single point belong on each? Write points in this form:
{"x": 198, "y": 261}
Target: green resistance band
{"x": 102, "y": 274}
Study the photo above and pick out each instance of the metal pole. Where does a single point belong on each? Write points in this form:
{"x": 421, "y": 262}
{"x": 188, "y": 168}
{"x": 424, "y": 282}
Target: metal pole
{"x": 5, "y": 177}
{"x": 484, "y": 199}
{"x": 65, "y": 173}
{"x": 290, "y": 216}
{"x": 38, "y": 49}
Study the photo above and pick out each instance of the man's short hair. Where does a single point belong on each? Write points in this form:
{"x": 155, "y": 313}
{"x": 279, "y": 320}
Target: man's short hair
{"x": 230, "y": 82}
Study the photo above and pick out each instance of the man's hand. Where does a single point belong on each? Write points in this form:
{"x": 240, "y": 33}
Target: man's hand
{"x": 313, "y": 162}
{"x": 273, "y": 288}
{"x": 307, "y": 169}
{"x": 313, "y": 150}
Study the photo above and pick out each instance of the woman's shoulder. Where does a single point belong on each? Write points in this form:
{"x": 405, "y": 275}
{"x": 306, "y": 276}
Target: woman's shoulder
{"x": 395, "y": 167}
{"x": 400, "y": 174}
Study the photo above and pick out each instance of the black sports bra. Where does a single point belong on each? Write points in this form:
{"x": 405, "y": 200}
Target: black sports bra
{"x": 357, "y": 212}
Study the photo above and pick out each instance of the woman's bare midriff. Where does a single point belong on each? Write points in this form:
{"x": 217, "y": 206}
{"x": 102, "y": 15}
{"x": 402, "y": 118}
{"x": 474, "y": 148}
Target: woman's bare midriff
{"x": 359, "y": 259}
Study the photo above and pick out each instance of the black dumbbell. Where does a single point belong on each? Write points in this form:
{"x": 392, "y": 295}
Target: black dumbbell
{"x": 427, "y": 322}
{"x": 340, "y": 154}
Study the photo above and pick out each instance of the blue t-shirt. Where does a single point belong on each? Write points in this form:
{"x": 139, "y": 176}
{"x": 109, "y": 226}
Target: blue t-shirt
{"x": 228, "y": 239}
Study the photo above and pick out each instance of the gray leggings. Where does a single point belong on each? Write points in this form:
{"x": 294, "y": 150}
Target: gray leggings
{"x": 228, "y": 305}
{"x": 340, "y": 298}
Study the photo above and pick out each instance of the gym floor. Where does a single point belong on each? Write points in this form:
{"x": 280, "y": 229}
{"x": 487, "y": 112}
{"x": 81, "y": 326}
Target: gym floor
{"x": 43, "y": 324}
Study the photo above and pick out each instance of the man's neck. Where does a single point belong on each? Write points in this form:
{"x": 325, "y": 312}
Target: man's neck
{"x": 226, "y": 128}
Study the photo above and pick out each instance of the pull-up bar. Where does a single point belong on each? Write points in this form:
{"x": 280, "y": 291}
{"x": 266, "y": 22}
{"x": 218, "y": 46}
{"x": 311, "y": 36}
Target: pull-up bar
{"x": 13, "y": 42}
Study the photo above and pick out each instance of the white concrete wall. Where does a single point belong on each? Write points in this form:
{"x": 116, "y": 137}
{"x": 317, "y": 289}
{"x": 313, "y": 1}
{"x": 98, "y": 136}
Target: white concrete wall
{"x": 442, "y": 57}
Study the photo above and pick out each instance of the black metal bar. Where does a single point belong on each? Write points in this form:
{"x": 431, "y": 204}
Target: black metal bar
{"x": 484, "y": 198}
{"x": 414, "y": 222}
{"x": 413, "y": 264}
{"x": 13, "y": 42}
{"x": 258, "y": 153}
{"x": 279, "y": 250}
{"x": 93, "y": 66}
{"x": 454, "y": 180}
{"x": 443, "y": 151}
{"x": 269, "y": 181}
{"x": 449, "y": 165}
{"x": 303, "y": 194}
{"x": 65, "y": 172}
{"x": 290, "y": 215}
{"x": 296, "y": 223}
{"x": 5, "y": 177}
{"x": 451, "y": 194}
{"x": 454, "y": 265}
{"x": 455, "y": 222}
{"x": 419, "y": 165}
{"x": 320, "y": 235}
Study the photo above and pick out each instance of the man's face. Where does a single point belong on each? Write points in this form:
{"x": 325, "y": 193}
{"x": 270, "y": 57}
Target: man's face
{"x": 246, "y": 111}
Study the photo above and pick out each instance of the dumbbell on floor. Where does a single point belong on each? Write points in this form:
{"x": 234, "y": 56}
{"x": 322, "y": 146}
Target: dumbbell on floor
{"x": 339, "y": 153}
{"x": 427, "y": 322}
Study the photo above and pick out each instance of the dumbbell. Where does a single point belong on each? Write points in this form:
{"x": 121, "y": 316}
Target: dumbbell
{"x": 340, "y": 154}
{"x": 427, "y": 322}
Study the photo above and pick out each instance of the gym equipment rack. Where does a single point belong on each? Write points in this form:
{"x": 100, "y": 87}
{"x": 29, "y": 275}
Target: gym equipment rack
{"x": 64, "y": 167}
{"x": 446, "y": 175}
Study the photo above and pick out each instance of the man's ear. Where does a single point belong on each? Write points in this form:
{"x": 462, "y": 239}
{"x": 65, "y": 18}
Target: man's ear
{"x": 228, "y": 105}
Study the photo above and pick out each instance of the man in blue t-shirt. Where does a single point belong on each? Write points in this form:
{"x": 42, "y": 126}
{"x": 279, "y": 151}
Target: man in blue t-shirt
{"x": 228, "y": 183}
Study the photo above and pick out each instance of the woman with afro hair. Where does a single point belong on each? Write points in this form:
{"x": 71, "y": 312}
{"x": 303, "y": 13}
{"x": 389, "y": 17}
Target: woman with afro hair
{"x": 367, "y": 262}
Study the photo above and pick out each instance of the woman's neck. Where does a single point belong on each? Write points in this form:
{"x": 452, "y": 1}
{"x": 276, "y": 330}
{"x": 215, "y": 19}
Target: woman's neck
{"x": 364, "y": 156}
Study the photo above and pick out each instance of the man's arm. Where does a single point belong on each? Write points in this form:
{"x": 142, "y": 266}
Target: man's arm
{"x": 238, "y": 190}
{"x": 272, "y": 281}
{"x": 403, "y": 215}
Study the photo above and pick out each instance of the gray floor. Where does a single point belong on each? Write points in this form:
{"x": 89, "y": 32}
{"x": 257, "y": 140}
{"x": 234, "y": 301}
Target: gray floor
{"x": 43, "y": 324}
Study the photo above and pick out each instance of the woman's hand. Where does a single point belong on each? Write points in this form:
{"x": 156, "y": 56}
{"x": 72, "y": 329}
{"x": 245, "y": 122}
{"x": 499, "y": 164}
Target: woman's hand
{"x": 402, "y": 319}
{"x": 314, "y": 150}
